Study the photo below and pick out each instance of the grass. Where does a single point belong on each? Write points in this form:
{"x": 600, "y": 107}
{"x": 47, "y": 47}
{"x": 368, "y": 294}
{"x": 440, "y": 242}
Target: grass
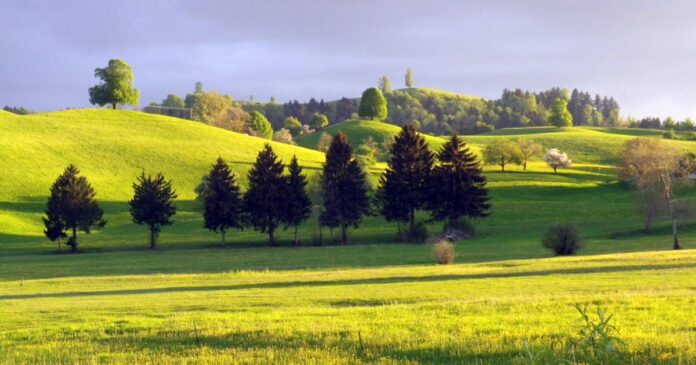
{"x": 372, "y": 302}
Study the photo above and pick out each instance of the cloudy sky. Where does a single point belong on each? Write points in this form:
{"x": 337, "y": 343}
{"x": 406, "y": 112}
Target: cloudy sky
{"x": 641, "y": 52}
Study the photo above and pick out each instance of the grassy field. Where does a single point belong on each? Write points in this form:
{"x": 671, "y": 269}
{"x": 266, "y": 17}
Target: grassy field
{"x": 505, "y": 301}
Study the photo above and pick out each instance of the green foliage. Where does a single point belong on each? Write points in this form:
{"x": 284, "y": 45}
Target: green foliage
{"x": 153, "y": 204}
{"x": 344, "y": 191}
{"x": 562, "y": 239}
{"x": 405, "y": 184}
{"x": 408, "y": 79}
{"x": 222, "y": 203}
{"x": 265, "y": 203}
{"x": 669, "y": 134}
{"x": 71, "y": 206}
{"x": 560, "y": 116}
{"x": 319, "y": 121}
{"x": 173, "y": 101}
{"x": 260, "y": 126}
{"x": 528, "y": 150}
{"x": 502, "y": 152}
{"x": 384, "y": 85}
{"x": 373, "y": 105}
{"x": 209, "y": 107}
{"x": 293, "y": 125}
{"x": 299, "y": 207}
{"x": 457, "y": 186}
{"x": 116, "y": 87}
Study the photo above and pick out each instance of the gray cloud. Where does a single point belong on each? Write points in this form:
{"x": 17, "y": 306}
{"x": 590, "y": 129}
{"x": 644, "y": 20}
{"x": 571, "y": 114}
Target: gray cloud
{"x": 637, "y": 51}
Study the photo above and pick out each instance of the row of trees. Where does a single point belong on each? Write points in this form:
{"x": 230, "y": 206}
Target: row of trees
{"x": 451, "y": 189}
{"x": 503, "y": 152}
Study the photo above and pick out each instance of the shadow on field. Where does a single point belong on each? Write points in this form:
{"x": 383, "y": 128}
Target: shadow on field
{"x": 368, "y": 281}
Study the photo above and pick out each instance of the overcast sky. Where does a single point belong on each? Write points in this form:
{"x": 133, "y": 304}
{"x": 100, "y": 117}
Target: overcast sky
{"x": 641, "y": 52}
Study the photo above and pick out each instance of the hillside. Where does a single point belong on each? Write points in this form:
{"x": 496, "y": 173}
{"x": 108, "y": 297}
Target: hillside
{"x": 111, "y": 148}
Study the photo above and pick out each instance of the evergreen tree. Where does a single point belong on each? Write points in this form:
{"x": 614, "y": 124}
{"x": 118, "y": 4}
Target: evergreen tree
{"x": 385, "y": 84}
{"x": 373, "y": 105}
{"x": 344, "y": 192}
{"x": 265, "y": 201}
{"x": 222, "y": 203}
{"x": 560, "y": 116}
{"x": 299, "y": 206}
{"x": 405, "y": 182}
{"x": 116, "y": 86}
{"x": 409, "y": 78}
{"x": 458, "y": 185}
{"x": 71, "y": 206}
{"x": 153, "y": 204}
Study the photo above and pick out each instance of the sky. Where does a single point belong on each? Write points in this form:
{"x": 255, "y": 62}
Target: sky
{"x": 643, "y": 53}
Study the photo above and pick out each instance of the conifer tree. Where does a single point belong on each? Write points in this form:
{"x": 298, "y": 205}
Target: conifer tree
{"x": 265, "y": 201}
{"x": 405, "y": 182}
{"x": 222, "y": 203}
{"x": 153, "y": 204}
{"x": 344, "y": 192}
{"x": 299, "y": 206}
{"x": 72, "y": 206}
{"x": 458, "y": 185}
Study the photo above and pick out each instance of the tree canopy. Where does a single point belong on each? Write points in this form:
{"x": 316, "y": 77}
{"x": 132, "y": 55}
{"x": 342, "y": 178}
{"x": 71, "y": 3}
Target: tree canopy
{"x": 560, "y": 116}
{"x": 373, "y": 105}
{"x": 259, "y": 125}
{"x": 116, "y": 87}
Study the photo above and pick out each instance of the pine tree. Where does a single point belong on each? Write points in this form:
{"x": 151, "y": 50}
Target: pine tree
{"x": 373, "y": 105}
{"x": 299, "y": 206}
{"x": 153, "y": 204}
{"x": 264, "y": 202}
{"x": 344, "y": 192}
{"x": 222, "y": 204}
{"x": 71, "y": 206}
{"x": 458, "y": 185}
{"x": 405, "y": 182}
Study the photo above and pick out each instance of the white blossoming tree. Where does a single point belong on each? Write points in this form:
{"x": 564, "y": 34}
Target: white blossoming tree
{"x": 556, "y": 159}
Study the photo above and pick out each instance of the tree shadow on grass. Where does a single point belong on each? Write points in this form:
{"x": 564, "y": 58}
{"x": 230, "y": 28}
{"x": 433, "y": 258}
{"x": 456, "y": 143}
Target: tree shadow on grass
{"x": 368, "y": 281}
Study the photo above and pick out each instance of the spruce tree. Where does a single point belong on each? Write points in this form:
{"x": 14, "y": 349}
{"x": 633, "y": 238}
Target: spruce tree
{"x": 265, "y": 201}
{"x": 344, "y": 192}
{"x": 373, "y": 105}
{"x": 222, "y": 203}
{"x": 405, "y": 182}
{"x": 153, "y": 204}
{"x": 299, "y": 206}
{"x": 458, "y": 185}
{"x": 72, "y": 206}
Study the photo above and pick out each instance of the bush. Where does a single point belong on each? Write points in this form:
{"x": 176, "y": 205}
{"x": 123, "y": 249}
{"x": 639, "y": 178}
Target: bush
{"x": 562, "y": 239}
{"x": 419, "y": 233}
{"x": 669, "y": 135}
{"x": 443, "y": 252}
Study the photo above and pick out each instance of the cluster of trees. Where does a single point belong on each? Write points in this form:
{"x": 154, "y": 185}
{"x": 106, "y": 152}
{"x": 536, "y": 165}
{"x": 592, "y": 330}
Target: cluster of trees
{"x": 656, "y": 123}
{"x": 503, "y": 152}
{"x": 450, "y": 189}
{"x": 17, "y": 110}
{"x": 655, "y": 170}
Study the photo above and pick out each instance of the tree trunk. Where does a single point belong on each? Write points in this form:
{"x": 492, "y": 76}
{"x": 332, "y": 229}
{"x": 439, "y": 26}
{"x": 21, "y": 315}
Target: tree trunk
{"x": 73, "y": 240}
{"x": 554, "y": 169}
{"x": 502, "y": 167}
{"x": 344, "y": 234}
{"x": 153, "y": 239}
{"x": 524, "y": 166}
{"x": 649, "y": 216}
{"x": 271, "y": 238}
{"x": 297, "y": 243}
{"x": 113, "y": 106}
{"x": 667, "y": 182}
{"x": 222, "y": 237}
{"x": 412, "y": 224}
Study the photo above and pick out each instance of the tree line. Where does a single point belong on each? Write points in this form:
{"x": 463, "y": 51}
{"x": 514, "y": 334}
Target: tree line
{"x": 449, "y": 185}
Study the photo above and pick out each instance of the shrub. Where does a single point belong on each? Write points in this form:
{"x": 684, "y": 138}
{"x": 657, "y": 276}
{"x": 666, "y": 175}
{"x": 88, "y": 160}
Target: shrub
{"x": 669, "y": 135}
{"x": 419, "y": 233}
{"x": 443, "y": 252}
{"x": 562, "y": 239}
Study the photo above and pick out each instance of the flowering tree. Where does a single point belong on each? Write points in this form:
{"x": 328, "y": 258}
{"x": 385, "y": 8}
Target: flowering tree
{"x": 556, "y": 159}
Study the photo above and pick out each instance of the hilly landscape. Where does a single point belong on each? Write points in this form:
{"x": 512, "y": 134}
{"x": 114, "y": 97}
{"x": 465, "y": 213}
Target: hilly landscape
{"x": 376, "y": 300}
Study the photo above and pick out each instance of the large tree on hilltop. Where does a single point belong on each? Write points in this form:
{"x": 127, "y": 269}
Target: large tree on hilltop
{"x": 405, "y": 182}
{"x": 265, "y": 201}
{"x": 373, "y": 105}
{"x": 458, "y": 187}
{"x": 299, "y": 206}
{"x": 116, "y": 87}
{"x": 344, "y": 193}
{"x": 222, "y": 202}
{"x": 72, "y": 206}
{"x": 153, "y": 204}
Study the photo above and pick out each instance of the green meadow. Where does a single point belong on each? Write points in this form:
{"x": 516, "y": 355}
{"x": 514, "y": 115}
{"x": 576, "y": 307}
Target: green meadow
{"x": 505, "y": 300}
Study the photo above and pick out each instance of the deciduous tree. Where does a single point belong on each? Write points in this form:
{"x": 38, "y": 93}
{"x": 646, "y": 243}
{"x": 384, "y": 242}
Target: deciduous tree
{"x": 385, "y": 84}
{"x": 319, "y": 121}
{"x": 557, "y": 159}
{"x": 373, "y": 105}
{"x": 173, "y": 101}
{"x": 560, "y": 116}
{"x": 409, "y": 78}
{"x": 528, "y": 149}
{"x": 116, "y": 87}
{"x": 502, "y": 152}
{"x": 259, "y": 125}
